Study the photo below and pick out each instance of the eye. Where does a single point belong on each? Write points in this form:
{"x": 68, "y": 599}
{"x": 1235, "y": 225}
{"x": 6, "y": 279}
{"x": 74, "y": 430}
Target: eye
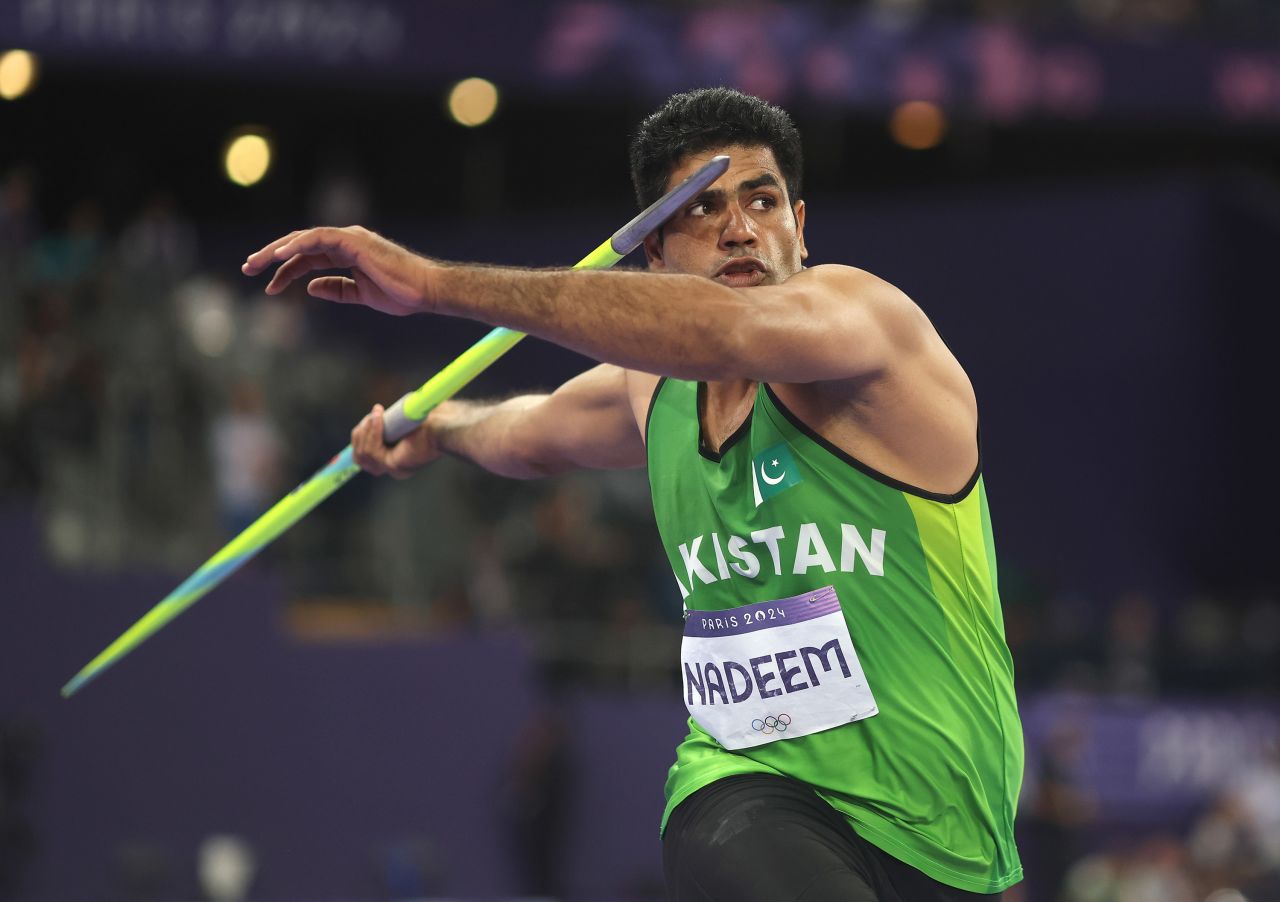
{"x": 701, "y": 208}
{"x": 763, "y": 202}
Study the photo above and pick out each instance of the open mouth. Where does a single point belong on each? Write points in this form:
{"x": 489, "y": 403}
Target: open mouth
{"x": 741, "y": 272}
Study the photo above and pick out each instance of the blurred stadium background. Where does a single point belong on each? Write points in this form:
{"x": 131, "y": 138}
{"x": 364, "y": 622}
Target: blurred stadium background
{"x": 462, "y": 687}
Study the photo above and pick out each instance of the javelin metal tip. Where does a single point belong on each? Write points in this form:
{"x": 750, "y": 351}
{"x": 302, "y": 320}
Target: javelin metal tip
{"x": 628, "y": 238}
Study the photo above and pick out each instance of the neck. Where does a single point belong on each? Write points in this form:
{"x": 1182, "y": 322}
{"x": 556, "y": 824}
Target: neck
{"x": 731, "y": 387}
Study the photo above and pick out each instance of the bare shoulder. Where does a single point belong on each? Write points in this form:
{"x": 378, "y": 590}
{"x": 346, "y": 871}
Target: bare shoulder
{"x": 839, "y": 274}
{"x": 846, "y": 280}
{"x": 914, "y": 417}
{"x": 846, "y": 291}
{"x": 855, "y": 305}
{"x": 864, "y": 311}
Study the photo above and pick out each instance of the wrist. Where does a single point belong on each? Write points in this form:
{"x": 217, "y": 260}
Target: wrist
{"x": 443, "y": 421}
{"x": 439, "y": 288}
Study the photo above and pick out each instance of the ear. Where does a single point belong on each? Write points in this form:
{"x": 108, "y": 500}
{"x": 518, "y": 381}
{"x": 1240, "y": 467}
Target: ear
{"x": 798, "y": 210}
{"x": 653, "y": 250}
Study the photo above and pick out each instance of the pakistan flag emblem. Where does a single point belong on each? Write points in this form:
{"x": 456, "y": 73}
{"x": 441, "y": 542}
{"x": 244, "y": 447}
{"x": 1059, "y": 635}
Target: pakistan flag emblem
{"x": 773, "y": 470}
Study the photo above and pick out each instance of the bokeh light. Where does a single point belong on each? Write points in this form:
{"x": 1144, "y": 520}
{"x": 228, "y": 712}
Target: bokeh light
{"x": 473, "y": 101}
{"x": 248, "y": 157}
{"x": 18, "y": 71}
{"x": 918, "y": 124}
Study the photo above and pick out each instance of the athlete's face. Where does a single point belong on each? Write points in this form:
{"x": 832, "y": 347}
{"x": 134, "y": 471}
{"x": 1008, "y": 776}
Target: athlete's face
{"x": 741, "y": 231}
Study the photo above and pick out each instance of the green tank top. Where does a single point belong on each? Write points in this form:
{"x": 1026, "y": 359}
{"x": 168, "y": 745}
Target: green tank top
{"x": 933, "y": 778}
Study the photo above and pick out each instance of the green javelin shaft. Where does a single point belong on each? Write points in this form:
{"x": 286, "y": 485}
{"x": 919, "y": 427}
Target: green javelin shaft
{"x": 401, "y": 419}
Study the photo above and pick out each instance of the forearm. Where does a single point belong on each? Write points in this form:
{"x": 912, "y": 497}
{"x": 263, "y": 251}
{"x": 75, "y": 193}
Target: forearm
{"x": 486, "y": 433}
{"x": 674, "y": 325}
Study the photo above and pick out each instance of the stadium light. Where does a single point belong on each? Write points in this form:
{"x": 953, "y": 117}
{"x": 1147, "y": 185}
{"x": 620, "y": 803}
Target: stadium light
{"x": 473, "y": 101}
{"x": 918, "y": 125}
{"x": 247, "y": 156}
{"x": 18, "y": 71}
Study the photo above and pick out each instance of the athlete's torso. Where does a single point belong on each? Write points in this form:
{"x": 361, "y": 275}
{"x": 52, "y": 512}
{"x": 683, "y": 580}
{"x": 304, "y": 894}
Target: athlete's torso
{"x": 776, "y": 511}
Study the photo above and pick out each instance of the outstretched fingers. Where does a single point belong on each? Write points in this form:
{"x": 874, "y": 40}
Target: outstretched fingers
{"x": 328, "y": 241}
{"x": 299, "y": 265}
{"x": 371, "y": 268}
{"x": 261, "y": 259}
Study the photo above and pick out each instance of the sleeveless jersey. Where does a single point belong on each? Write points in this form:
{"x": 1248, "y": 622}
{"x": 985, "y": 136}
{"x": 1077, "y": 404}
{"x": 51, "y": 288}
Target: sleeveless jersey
{"x": 933, "y": 777}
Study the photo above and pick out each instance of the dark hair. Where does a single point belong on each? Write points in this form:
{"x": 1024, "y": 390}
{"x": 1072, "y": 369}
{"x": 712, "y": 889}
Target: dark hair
{"x": 704, "y": 119}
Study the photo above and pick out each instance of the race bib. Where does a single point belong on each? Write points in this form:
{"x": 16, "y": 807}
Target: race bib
{"x": 773, "y": 670}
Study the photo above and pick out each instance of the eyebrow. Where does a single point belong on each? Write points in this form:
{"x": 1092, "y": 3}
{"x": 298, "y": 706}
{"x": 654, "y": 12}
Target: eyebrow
{"x": 759, "y": 182}
{"x": 716, "y": 194}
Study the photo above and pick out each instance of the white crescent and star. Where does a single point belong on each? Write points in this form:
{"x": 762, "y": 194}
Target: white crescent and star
{"x": 765, "y": 476}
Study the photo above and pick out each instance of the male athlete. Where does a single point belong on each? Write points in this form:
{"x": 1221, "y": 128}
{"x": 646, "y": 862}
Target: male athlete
{"x": 813, "y": 455}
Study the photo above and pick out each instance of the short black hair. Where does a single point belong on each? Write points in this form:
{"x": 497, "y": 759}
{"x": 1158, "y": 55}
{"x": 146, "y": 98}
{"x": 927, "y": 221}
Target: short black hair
{"x": 700, "y": 120}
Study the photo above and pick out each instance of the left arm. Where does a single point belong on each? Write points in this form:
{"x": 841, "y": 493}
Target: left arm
{"x": 825, "y": 323}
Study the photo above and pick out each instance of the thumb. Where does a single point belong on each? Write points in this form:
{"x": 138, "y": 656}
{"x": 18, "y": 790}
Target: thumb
{"x": 339, "y": 289}
{"x": 403, "y": 459}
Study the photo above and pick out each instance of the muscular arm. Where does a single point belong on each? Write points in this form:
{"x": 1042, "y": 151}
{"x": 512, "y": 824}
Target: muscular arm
{"x": 825, "y": 323}
{"x": 585, "y": 423}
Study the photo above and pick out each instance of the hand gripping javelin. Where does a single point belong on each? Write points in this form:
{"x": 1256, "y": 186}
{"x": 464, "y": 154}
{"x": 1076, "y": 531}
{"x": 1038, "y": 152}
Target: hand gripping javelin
{"x": 400, "y": 419}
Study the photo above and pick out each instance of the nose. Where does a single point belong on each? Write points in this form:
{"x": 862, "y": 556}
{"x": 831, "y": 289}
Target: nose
{"x": 738, "y": 230}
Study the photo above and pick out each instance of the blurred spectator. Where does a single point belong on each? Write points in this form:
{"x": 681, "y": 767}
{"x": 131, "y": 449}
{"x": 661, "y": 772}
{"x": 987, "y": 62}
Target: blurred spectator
{"x": 1260, "y": 644}
{"x": 536, "y": 800}
{"x": 59, "y": 380}
{"x": 159, "y": 241}
{"x": 1203, "y": 645}
{"x": 246, "y": 450}
{"x": 74, "y": 255}
{"x": 1219, "y": 844}
{"x": 19, "y": 752}
{"x": 17, "y": 217}
{"x": 1055, "y": 817}
{"x": 1131, "y": 646}
{"x": 488, "y": 584}
{"x": 573, "y": 555}
{"x": 621, "y": 639}
{"x": 1154, "y": 871}
{"x": 1237, "y": 841}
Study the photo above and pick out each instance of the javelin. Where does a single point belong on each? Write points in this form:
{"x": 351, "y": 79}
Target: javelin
{"x": 400, "y": 419}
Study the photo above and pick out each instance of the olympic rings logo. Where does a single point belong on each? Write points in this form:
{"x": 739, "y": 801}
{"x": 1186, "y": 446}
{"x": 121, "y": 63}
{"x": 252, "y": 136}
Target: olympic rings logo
{"x": 771, "y": 724}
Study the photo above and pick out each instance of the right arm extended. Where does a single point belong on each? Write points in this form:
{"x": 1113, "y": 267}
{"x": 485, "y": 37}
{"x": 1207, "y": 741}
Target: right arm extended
{"x": 585, "y": 423}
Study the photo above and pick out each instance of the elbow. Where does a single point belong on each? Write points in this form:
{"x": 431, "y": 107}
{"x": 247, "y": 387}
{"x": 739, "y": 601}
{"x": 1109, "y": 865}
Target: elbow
{"x": 534, "y": 466}
{"x": 525, "y": 456}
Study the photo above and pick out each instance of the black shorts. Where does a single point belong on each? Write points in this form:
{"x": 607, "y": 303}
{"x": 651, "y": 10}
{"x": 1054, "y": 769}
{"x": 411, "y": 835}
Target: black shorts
{"x": 765, "y": 838}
